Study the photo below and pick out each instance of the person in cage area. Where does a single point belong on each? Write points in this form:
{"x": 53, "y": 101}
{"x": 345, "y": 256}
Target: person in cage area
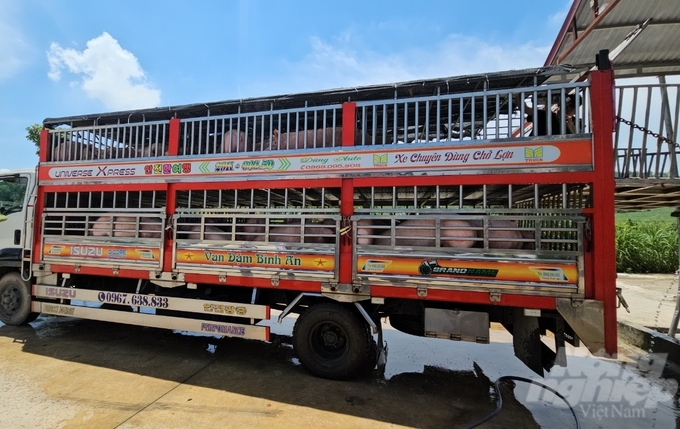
{"x": 543, "y": 127}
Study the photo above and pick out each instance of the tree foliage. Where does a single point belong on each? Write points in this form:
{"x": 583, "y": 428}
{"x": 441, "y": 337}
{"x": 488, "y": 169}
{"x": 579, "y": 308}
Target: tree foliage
{"x": 33, "y": 135}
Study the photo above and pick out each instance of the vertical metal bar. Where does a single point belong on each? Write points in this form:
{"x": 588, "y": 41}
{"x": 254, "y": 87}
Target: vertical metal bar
{"x": 484, "y": 196}
{"x": 427, "y": 122}
{"x": 472, "y": 118}
{"x": 334, "y": 126}
{"x": 395, "y": 136}
{"x": 439, "y": 115}
{"x": 374, "y": 124}
{"x": 548, "y": 112}
{"x": 498, "y": 115}
{"x": 449, "y": 132}
{"x": 323, "y": 112}
{"x": 536, "y": 197}
{"x": 238, "y": 137}
{"x": 384, "y": 125}
{"x": 417, "y": 122}
{"x": 485, "y": 113}
{"x": 673, "y": 173}
{"x": 405, "y": 121}
{"x": 643, "y": 150}
{"x": 511, "y": 116}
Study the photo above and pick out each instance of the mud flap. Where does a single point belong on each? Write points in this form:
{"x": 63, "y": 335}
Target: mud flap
{"x": 526, "y": 340}
{"x": 587, "y": 321}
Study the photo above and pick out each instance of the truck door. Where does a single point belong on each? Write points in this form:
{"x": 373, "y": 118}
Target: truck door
{"x": 13, "y": 197}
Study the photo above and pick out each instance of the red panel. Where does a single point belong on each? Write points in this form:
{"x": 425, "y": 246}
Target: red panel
{"x": 37, "y": 224}
{"x": 477, "y": 179}
{"x": 263, "y": 283}
{"x": 603, "y": 233}
{"x": 259, "y": 184}
{"x": 106, "y": 187}
{"x": 173, "y": 137}
{"x": 168, "y": 245}
{"x": 507, "y": 299}
{"x": 349, "y": 123}
{"x": 97, "y": 271}
{"x": 346, "y": 210}
{"x": 44, "y": 144}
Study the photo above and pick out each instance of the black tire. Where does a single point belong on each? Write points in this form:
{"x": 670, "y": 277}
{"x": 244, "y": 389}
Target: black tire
{"x": 332, "y": 341}
{"x": 15, "y": 301}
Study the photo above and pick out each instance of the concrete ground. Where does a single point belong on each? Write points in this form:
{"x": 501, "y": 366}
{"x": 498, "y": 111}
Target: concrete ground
{"x": 67, "y": 373}
{"x": 650, "y": 297}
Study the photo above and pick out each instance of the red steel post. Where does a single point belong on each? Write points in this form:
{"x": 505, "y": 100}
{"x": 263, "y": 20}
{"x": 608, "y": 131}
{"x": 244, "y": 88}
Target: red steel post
{"x": 347, "y": 197}
{"x": 603, "y": 230}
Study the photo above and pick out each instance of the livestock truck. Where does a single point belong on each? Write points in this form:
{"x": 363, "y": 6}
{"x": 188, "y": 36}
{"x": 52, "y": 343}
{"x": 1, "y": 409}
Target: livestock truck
{"x": 442, "y": 205}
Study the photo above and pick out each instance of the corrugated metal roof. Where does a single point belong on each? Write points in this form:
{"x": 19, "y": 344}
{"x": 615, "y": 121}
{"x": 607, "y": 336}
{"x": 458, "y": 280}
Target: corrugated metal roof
{"x": 593, "y": 25}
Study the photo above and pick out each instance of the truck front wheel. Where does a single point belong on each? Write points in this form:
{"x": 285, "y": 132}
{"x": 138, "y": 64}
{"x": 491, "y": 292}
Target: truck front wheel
{"x": 15, "y": 300}
{"x": 332, "y": 341}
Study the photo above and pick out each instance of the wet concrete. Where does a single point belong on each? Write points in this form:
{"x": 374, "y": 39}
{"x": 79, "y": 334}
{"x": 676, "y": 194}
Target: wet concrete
{"x": 62, "y": 372}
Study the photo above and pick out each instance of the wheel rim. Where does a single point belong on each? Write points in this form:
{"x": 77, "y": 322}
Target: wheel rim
{"x": 328, "y": 340}
{"x": 10, "y": 300}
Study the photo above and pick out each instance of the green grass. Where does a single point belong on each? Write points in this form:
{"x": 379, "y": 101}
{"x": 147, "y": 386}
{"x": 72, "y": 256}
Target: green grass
{"x": 655, "y": 215}
{"x": 646, "y": 241}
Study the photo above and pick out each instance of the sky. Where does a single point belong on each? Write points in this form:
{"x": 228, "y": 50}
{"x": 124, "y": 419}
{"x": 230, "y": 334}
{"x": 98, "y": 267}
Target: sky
{"x": 69, "y": 57}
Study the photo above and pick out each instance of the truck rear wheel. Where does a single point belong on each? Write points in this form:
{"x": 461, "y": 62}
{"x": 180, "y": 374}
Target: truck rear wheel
{"x": 15, "y": 300}
{"x": 332, "y": 341}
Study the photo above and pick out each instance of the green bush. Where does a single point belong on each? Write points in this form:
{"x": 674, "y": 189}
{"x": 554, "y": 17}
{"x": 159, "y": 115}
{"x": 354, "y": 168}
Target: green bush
{"x": 646, "y": 247}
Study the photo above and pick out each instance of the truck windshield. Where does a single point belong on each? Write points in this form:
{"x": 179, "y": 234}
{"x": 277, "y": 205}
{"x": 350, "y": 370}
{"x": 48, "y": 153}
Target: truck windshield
{"x": 12, "y": 192}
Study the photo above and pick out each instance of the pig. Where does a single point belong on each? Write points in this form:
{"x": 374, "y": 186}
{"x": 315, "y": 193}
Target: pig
{"x": 504, "y": 238}
{"x": 252, "y": 230}
{"x": 421, "y": 232}
{"x": 322, "y": 137}
{"x": 529, "y": 236}
{"x": 151, "y": 151}
{"x": 150, "y": 227}
{"x": 126, "y": 226}
{"x": 364, "y": 231}
{"x": 503, "y": 235}
{"x": 72, "y": 151}
{"x": 211, "y": 233}
{"x": 123, "y": 226}
{"x": 291, "y": 234}
{"x": 233, "y": 141}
